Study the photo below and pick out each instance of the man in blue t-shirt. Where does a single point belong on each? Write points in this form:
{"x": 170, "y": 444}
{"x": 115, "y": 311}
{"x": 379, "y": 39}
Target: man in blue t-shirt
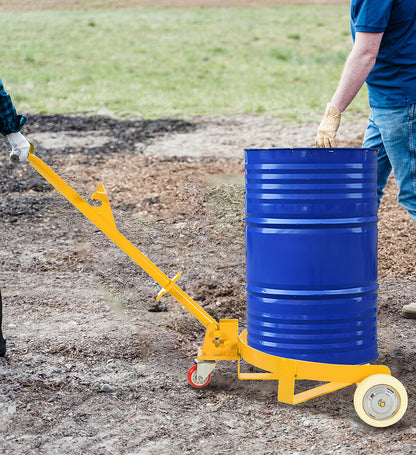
{"x": 384, "y": 56}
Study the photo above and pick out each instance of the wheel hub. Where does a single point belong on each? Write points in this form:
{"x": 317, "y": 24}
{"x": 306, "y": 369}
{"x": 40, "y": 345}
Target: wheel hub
{"x": 198, "y": 380}
{"x": 381, "y": 402}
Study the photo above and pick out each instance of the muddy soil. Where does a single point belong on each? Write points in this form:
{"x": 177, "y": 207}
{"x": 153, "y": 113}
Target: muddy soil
{"x": 95, "y": 365}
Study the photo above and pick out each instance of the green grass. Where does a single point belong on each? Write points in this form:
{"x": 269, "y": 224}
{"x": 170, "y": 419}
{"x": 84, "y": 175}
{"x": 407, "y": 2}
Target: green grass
{"x": 283, "y": 61}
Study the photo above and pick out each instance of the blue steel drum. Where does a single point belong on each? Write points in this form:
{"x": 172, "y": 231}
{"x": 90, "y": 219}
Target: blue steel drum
{"x": 311, "y": 253}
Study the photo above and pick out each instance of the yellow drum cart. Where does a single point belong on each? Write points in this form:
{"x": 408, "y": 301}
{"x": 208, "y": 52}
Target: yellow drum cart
{"x": 380, "y": 400}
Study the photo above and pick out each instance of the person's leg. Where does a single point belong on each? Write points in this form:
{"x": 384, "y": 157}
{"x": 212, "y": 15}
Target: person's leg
{"x": 2, "y": 340}
{"x": 373, "y": 140}
{"x": 397, "y": 127}
{"x": 398, "y": 131}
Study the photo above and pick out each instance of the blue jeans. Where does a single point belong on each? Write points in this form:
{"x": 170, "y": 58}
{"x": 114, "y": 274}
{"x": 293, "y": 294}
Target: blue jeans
{"x": 392, "y": 132}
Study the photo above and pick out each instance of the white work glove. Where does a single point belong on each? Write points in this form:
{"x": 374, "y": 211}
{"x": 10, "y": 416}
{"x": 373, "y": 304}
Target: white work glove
{"x": 20, "y": 147}
{"x": 329, "y": 126}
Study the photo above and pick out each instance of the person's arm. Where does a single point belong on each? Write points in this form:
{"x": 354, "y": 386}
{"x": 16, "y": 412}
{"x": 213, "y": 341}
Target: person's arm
{"x": 10, "y": 126}
{"x": 358, "y": 66}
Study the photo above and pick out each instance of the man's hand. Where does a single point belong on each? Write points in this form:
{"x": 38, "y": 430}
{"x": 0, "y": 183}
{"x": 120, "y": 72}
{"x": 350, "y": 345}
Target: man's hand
{"x": 329, "y": 126}
{"x": 20, "y": 147}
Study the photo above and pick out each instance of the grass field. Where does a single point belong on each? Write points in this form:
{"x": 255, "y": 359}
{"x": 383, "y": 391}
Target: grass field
{"x": 31, "y": 5}
{"x": 283, "y": 61}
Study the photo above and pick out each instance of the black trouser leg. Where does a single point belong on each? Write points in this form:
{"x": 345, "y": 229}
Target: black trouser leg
{"x": 2, "y": 340}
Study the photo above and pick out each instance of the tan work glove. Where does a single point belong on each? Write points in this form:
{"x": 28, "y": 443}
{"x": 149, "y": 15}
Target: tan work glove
{"x": 329, "y": 126}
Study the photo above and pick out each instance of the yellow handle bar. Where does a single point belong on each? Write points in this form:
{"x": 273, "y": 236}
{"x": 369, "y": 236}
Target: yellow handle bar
{"x": 102, "y": 217}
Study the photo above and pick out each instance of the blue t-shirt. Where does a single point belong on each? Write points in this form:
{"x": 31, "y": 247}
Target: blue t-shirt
{"x": 392, "y": 82}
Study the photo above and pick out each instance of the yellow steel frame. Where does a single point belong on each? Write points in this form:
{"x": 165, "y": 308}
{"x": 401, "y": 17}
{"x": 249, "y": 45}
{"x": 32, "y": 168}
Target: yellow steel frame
{"x": 221, "y": 341}
{"x": 287, "y": 371}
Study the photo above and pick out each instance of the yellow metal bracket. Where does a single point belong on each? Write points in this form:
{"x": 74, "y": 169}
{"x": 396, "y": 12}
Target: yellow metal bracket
{"x": 104, "y": 210}
{"x": 221, "y": 341}
{"x": 169, "y": 286}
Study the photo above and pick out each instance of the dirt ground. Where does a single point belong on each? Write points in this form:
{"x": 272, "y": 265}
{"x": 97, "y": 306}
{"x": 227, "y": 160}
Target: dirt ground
{"x": 94, "y": 366}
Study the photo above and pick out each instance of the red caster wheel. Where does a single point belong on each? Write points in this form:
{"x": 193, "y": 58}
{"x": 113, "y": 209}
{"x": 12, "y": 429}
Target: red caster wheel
{"x": 193, "y": 378}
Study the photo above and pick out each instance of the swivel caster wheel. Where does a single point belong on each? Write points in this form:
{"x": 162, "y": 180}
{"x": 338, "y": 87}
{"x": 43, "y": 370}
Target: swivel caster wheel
{"x": 193, "y": 379}
{"x": 380, "y": 400}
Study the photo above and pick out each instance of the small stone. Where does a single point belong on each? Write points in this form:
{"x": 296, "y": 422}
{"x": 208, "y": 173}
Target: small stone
{"x": 106, "y": 388}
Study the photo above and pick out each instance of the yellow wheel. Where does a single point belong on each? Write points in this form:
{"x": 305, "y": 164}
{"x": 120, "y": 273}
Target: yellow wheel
{"x": 380, "y": 400}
